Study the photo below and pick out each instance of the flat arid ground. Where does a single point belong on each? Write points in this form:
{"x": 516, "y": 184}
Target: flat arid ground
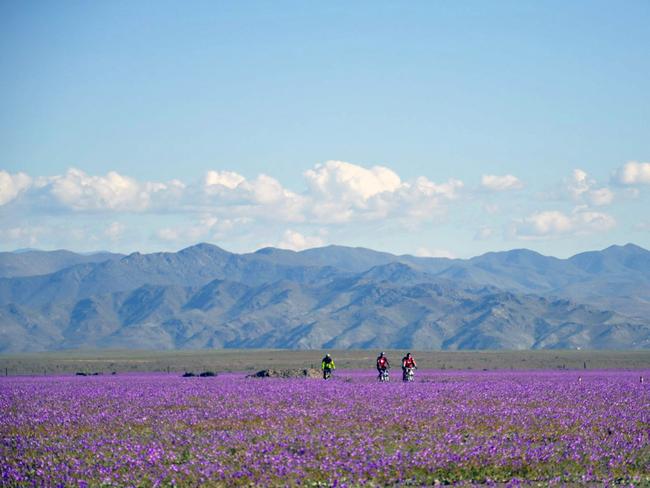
{"x": 253, "y": 360}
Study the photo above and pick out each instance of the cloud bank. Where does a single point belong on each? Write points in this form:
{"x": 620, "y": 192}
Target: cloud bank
{"x": 335, "y": 192}
{"x": 541, "y": 225}
{"x": 336, "y": 196}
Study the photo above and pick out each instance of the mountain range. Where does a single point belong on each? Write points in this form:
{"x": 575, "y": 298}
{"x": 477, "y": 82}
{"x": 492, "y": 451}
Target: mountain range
{"x": 330, "y": 297}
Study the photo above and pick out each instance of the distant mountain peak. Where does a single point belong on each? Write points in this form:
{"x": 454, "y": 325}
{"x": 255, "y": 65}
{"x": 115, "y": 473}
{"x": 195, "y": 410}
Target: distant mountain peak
{"x": 514, "y": 256}
{"x": 204, "y": 247}
{"x": 626, "y": 248}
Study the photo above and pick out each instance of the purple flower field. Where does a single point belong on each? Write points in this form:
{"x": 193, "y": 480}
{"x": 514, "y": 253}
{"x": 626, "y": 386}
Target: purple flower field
{"x": 447, "y": 427}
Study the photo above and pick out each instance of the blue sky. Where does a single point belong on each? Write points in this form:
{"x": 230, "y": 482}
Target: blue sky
{"x": 432, "y": 128}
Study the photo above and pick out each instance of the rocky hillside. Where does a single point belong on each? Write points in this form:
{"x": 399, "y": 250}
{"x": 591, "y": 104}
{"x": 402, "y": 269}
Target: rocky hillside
{"x": 332, "y": 297}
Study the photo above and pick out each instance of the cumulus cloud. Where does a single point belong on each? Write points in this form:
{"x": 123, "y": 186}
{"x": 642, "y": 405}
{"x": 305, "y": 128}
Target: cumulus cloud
{"x": 342, "y": 192}
{"x": 581, "y": 189}
{"x": 263, "y": 197}
{"x": 501, "y": 183}
{"x": 578, "y": 184}
{"x": 424, "y": 199}
{"x": 12, "y": 185}
{"x": 227, "y": 179}
{"x": 335, "y": 192}
{"x": 338, "y": 179}
{"x": 81, "y": 191}
{"x": 633, "y": 173}
{"x": 111, "y": 192}
{"x": 266, "y": 190}
{"x": 553, "y": 223}
{"x": 425, "y": 252}
{"x": 297, "y": 242}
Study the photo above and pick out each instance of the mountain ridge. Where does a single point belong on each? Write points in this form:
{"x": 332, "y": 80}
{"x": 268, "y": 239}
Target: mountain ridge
{"x": 334, "y": 296}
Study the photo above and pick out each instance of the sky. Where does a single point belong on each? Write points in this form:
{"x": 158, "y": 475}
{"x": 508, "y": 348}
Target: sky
{"x": 428, "y": 128}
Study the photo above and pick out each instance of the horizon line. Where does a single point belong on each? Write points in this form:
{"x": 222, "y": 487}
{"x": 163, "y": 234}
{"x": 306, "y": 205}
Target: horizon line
{"x": 203, "y": 243}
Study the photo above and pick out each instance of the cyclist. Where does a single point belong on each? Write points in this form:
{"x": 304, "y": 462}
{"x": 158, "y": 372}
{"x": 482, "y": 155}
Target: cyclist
{"x": 327, "y": 366}
{"x": 383, "y": 365}
{"x": 408, "y": 363}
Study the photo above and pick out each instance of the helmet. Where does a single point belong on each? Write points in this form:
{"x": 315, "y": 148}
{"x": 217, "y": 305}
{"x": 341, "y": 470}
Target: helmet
{"x": 382, "y": 353}
{"x": 327, "y": 355}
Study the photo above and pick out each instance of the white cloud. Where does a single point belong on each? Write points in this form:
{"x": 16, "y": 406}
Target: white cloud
{"x": 581, "y": 190}
{"x": 338, "y": 179}
{"x": 263, "y": 198}
{"x": 556, "y": 224}
{"x": 225, "y": 206}
{"x": 423, "y": 199}
{"x": 12, "y": 185}
{"x": 165, "y": 195}
{"x": 588, "y": 221}
{"x": 578, "y": 184}
{"x": 80, "y": 191}
{"x": 633, "y": 173}
{"x": 544, "y": 224}
{"x": 297, "y": 242}
{"x": 501, "y": 183}
{"x": 227, "y": 179}
{"x": 341, "y": 192}
{"x": 266, "y": 190}
{"x": 112, "y": 192}
{"x": 425, "y": 252}
{"x": 426, "y": 188}
{"x": 335, "y": 192}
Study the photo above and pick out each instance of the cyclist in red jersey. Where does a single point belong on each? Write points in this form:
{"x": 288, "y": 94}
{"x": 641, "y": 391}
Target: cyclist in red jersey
{"x": 408, "y": 364}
